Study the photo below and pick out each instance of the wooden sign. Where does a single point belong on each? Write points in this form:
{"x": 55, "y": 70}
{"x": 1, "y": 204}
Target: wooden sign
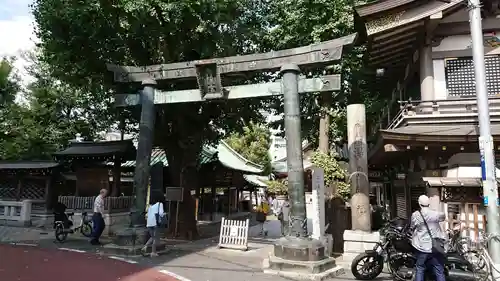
{"x": 175, "y": 194}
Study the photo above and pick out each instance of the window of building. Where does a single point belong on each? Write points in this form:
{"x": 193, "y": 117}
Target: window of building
{"x": 460, "y": 79}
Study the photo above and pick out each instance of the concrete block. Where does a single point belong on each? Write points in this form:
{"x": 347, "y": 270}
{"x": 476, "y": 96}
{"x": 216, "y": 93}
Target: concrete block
{"x": 356, "y": 242}
{"x": 297, "y": 270}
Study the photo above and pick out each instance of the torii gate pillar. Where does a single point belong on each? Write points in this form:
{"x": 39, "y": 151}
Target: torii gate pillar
{"x": 297, "y": 256}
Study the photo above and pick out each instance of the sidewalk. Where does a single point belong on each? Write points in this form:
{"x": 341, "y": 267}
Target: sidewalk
{"x": 199, "y": 260}
{"x": 11, "y": 234}
{"x": 203, "y": 261}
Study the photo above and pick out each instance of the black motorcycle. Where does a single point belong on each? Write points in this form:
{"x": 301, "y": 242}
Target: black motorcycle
{"x": 396, "y": 250}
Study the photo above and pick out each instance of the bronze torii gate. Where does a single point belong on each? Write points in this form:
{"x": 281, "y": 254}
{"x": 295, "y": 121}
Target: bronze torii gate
{"x": 208, "y": 74}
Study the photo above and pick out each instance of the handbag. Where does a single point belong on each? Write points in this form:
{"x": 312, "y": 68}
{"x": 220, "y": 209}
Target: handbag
{"x": 437, "y": 243}
{"x": 160, "y": 220}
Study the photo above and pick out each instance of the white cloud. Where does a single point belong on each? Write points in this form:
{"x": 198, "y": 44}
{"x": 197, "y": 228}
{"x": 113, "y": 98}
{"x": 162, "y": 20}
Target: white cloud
{"x": 17, "y": 35}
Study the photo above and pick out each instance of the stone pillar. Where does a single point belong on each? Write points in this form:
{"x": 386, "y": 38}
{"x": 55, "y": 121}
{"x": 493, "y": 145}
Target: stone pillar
{"x": 116, "y": 177}
{"x": 426, "y": 74}
{"x": 318, "y": 202}
{"x": 358, "y": 167}
{"x": 144, "y": 148}
{"x": 297, "y": 256}
{"x": 289, "y": 88}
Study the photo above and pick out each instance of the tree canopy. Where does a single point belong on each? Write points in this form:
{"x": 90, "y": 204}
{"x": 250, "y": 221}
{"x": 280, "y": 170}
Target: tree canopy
{"x": 78, "y": 39}
{"x": 302, "y": 22}
{"x": 253, "y": 144}
{"x": 50, "y": 115}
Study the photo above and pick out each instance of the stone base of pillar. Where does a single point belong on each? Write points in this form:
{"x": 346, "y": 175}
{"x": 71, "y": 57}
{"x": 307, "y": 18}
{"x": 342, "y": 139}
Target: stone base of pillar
{"x": 302, "y": 270}
{"x": 301, "y": 259}
{"x": 356, "y": 242}
{"x": 129, "y": 241}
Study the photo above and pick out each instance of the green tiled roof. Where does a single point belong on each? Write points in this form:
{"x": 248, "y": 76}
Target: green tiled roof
{"x": 223, "y": 153}
{"x": 256, "y": 180}
{"x": 233, "y": 160}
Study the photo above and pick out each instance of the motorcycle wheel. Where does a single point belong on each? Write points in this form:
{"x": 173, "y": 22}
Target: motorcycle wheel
{"x": 86, "y": 229}
{"x": 367, "y": 266}
{"x": 60, "y": 234}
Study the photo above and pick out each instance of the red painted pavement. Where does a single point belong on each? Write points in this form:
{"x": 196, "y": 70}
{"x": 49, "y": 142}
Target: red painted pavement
{"x": 23, "y": 263}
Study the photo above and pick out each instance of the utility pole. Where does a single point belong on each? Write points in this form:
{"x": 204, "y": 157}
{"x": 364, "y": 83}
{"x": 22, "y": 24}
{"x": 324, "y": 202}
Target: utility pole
{"x": 488, "y": 167}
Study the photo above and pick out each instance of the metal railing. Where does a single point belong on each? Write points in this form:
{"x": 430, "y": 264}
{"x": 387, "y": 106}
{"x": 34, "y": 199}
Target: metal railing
{"x": 84, "y": 203}
{"x": 463, "y": 109}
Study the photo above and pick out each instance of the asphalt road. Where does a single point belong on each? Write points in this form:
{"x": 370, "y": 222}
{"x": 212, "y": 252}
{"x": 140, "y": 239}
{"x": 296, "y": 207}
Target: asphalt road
{"x": 25, "y": 263}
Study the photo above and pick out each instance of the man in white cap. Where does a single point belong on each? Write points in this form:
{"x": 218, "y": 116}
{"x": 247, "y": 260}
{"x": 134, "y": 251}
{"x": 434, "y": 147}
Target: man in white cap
{"x": 426, "y": 227}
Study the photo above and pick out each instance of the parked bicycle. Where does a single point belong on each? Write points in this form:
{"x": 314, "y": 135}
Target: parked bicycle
{"x": 63, "y": 224}
{"x": 484, "y": 262}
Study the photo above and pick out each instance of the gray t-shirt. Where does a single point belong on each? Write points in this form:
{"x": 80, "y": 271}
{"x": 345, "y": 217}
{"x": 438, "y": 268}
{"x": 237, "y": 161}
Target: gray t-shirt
{"x": 421, "y": 239}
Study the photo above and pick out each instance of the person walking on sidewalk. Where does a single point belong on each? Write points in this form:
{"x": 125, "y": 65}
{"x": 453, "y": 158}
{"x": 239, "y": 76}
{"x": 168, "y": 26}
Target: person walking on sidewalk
{"x": 97, "y": 217}
{"x": 261, "y": 216}
{"x": 154, "y": 220}
{"x": 284, "y": 216}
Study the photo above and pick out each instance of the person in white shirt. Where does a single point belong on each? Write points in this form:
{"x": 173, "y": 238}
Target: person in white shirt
{"x": 284, "y": 217}
{"x": 97, "y": 218}
{"x": 154, "y": 220}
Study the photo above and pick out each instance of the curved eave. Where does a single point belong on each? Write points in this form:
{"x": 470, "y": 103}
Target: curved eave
{"x": 394, "y": 37}
{"x": 229, "y": 158}
{"x": 255, "y": 180}
{"x": 380, "y": 6}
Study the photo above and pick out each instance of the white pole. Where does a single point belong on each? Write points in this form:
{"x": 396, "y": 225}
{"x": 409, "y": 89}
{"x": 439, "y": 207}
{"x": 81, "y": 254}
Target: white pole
{"x": 488, "y": 166}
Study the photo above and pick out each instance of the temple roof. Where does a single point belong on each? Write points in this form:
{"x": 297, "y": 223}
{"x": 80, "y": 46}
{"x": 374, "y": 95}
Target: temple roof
{"x": 256, "y": 180}
{"x": 27, "y": 165}
{"x": 438, "y": 133}
{"x": 395, "y": 31}
{"x": 88, "y": 149}
{"x": 227, "y": 156}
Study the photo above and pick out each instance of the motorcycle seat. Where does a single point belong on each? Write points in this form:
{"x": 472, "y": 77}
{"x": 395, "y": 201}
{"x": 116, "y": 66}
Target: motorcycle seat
{"x": 454, "y": 257}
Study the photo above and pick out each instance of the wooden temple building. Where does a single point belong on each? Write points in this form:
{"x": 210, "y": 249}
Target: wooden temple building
{"x": 426, "y": 139}
{"x": 225, "y": 175}
{"x": 83, "y": 168}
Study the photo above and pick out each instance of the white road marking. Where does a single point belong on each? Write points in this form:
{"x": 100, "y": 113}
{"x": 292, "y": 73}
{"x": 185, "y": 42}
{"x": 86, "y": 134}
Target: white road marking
{"x": 72, "y": 250}
{"x": 122, "y": 259}
{"x": 176, "y": 276}
{"x": 24, "y": 244}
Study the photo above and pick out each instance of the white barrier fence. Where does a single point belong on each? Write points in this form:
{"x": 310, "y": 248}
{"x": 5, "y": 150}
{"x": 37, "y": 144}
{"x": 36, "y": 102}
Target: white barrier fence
{"x": 15, "y": 212}
{"x": 234, "y": 234}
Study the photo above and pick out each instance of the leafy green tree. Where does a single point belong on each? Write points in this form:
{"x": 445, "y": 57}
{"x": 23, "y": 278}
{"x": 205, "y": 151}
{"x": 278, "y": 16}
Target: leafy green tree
{"x": 64, "y": 109}
{"x": 302, "y": 22}
{"x": 53, "y": 114}
{"x": 9, "y": 82}
{"x": 335, "y": 175}
{"x": 253, "y": 144}
{"x": 77, "y": 39}
{"x": 278, "y": 186}
{"x": 16, "y": 130}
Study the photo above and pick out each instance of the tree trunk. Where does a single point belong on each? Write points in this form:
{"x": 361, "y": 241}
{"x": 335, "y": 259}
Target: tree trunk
{"x": 183, "y": 171}
{"x": 324, "y": 124}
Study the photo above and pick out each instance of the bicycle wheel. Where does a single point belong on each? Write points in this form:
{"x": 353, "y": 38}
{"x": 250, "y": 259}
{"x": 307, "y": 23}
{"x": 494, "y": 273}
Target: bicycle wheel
{"x": 86, "y": 229}
{"x": 60, "y": 234}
